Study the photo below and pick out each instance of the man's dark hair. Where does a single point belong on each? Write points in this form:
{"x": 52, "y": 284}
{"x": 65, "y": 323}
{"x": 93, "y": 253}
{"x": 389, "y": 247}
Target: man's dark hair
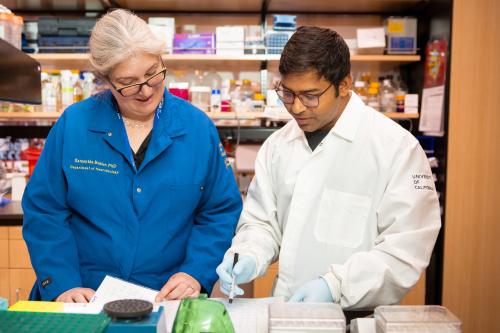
{"x": 319, "y": 49}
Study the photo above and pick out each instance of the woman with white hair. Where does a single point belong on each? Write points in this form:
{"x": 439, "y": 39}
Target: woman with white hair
{"x": 132, "y": 182}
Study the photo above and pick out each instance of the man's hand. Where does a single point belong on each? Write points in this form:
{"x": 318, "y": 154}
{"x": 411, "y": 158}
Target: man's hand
{"x": 243, "y": 272}
{"x": 179, "y": 286}
{"x": 76, "y": 295}
{"x": 313, "y": 291}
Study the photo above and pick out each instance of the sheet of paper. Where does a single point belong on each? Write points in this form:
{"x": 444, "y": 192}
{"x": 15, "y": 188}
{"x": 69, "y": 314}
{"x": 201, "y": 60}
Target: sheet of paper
{"x": 249, "y": 315}
{"x": 112, "y": 289}
{"x": 170, "y": 308}
{"x": 432, "y": 112}
{"x": 83, "y": 308}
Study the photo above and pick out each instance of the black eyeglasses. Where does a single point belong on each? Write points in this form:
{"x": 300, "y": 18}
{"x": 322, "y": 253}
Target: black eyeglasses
{"x": 133, "y": 89}
{"x": 308, "y": 100}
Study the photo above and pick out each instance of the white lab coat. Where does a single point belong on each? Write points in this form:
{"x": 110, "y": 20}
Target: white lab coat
{"x": 360, "y": 211}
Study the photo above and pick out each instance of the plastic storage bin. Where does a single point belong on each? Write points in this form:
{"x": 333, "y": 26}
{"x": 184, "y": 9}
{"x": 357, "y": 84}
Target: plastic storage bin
{"x": 417, "y": 319}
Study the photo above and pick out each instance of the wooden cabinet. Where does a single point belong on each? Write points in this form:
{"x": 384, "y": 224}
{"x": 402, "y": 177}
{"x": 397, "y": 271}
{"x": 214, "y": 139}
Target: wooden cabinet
{"x": 18, "y": 254}
{"x": 4, "y": 248}
{"x": 471, "y": 268}
{"x": 16, "y": 274}
{"x": 4, "y": 283}
{"x": 416, "y": 296}
{"x": 21, "y": 282}
{"x": 263, "y": 286}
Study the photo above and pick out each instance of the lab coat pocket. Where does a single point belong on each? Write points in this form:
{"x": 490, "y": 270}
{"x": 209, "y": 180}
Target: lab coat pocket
{"x": 342, "y": 218}
{"x": 185, "y": 196}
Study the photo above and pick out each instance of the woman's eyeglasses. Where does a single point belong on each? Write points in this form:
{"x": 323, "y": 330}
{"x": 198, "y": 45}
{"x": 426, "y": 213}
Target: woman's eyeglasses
{"x": 133, "y": 89}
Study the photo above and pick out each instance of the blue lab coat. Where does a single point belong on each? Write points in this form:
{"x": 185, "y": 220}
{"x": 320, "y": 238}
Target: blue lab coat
{"x": 88, "y": 212}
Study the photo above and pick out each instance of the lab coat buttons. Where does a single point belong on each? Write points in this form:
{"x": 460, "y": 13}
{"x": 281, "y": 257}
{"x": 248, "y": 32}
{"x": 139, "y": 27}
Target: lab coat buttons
{"x": 139, "y": 190}
{"x": 110, "y": 133}
{"x": 202, "y": 188}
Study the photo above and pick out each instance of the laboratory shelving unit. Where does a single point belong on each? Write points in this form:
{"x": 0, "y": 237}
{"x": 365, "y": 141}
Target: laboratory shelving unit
{"x": 338, "y": 15}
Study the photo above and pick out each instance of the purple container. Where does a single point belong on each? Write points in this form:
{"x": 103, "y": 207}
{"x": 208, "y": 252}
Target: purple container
{"x": 203, "y": 43}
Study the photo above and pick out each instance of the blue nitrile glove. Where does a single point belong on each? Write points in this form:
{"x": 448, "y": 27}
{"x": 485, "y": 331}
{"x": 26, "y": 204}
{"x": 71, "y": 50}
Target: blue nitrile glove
{"x": 244, "y": 270}
{"x": 313, "y": 291}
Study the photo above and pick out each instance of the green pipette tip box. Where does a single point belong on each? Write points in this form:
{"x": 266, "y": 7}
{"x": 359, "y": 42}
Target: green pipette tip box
{"x": 41, "y": 322}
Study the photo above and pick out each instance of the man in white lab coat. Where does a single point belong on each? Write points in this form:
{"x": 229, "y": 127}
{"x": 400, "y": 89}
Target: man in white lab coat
{"x": 342, "y": 196}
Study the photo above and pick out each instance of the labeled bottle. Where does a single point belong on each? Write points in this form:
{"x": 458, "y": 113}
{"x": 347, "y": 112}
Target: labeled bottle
{"x": 258, "y": 102}
{"x": 373, "y": 98}
{"x": 236, "y": 96}
{"x": 226, "y": 96}
{"x": 400, "y": 103}
{"x": 215, "y": 100}
{"x": 66, "y": 88}
{"x": 247, "y": 94}
{"x": 361, "y": 88}
{"x": 88, "y": 84}
{"x": 77, "y": 88}
{"x": 200, "y": 97}
{"x": 400, "y": 93}
{"x": 49, "y": 93}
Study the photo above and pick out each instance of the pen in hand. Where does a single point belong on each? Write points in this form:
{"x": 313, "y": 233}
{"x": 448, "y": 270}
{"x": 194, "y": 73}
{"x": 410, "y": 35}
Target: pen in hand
{"x": 233, "y": 283}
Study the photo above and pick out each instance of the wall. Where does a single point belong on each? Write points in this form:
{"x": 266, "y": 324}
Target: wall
{"x": 471, "y": 262}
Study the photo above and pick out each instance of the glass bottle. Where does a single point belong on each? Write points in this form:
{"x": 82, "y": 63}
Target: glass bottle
{"x": 361, "y": 88}
{"x": 373, "y": 98}
{"x": 88, "y": 84}
{"x": 77, "y": 88}
{"x": 213, "y": 80}
{"x": 387, "y": 96}
{"x": 247, "y": 95}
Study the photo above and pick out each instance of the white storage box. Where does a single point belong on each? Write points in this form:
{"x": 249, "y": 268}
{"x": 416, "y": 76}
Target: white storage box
{"x": 371, "y": 40}
{"x": 306, "y": 318}
{"x": 164, "y": 29}
{"x": 418, "y": 318}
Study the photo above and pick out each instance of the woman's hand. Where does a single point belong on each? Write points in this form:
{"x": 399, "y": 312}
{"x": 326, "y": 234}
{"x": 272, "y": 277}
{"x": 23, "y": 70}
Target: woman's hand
{"x": 179, "y": 286}
{"x": 76, "y": 295}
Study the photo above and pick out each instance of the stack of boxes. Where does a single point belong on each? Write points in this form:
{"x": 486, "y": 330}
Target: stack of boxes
{"x": 230, "y": 40}
{"x": 164, "y": 29}
{"x": 254, "y": 40}
{"x": 64, "y": 35}
{"x": 283, "y": 28}
{"x": 401, "y": 35}
{"x": 202, "y": 43}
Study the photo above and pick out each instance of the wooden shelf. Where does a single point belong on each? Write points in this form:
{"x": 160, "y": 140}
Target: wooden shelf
{"x": 59, "y": 56}
{"x": 385, "y": 58}
{"x": 351, "y": 6}
{"x": 80, "y": 60}
{"x": 29, "y": 116}
{"x": 401, "y": 115}
{"x": 50, "y": 115}
{"x": 368, "y": 58}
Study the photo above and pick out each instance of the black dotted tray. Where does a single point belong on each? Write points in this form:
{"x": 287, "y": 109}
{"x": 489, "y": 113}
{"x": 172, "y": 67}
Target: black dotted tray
{"x": 128, "y": 309}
